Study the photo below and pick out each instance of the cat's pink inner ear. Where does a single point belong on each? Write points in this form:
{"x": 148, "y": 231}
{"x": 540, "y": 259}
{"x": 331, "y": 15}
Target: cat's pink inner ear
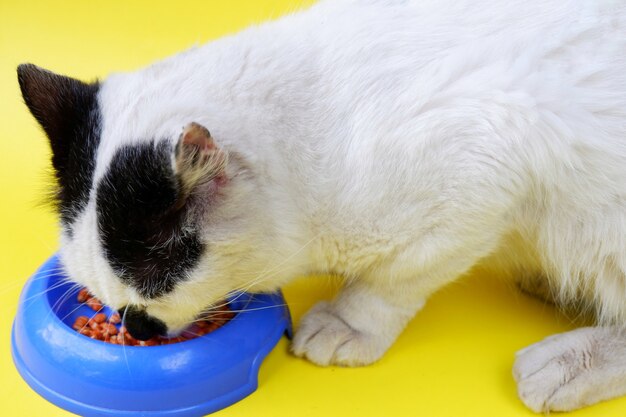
{"x": 198, "y": 135}
{"x": 198, "y": 160}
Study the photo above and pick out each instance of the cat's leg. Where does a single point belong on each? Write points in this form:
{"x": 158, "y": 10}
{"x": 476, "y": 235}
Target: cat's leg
{"x": 571, "y": 370}
{"x": 370, "y": 312}
{"x": 404, "y": 255}
{"x": 362, "y": 322}
{"x": 578, "y": 368}
{"x": 356, "y": 328}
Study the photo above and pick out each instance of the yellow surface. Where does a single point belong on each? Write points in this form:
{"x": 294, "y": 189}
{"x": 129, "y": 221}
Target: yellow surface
{"x": 453, "y": 360}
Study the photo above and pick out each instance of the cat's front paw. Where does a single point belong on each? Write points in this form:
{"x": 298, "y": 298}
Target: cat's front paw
{"x": 563, "y": 372}
{"x": 325, "y": 338}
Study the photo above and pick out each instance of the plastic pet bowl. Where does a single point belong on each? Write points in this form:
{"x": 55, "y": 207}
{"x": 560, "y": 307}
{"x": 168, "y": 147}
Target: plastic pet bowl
{"x": 93, "y": 378}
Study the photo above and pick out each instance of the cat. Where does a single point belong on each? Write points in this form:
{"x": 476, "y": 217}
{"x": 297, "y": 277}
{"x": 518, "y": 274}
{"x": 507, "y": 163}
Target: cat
{"x": 394, "y": 143}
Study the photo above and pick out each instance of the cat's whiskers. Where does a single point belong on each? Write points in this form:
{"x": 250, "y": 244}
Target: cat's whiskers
{"x": 63, "y": 281}
{"x": 212, "y": 314}
{"x": 87, "y": 323}
{"x": 35, "y": 277}
{"x": 61, "y": 300}
{"x": 123, "y": 321}
{"x": 73, "y": 310}
{"x": 267, "y": 273}
{"x": 262, "y": 276}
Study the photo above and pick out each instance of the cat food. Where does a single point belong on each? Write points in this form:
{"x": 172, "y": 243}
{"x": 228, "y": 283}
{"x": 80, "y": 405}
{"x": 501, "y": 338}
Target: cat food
{"x": 101, "y": 327}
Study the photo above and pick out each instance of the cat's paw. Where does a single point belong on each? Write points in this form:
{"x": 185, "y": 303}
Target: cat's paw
{"x": 558, "y": 373}
{"x": 325, "y": 338}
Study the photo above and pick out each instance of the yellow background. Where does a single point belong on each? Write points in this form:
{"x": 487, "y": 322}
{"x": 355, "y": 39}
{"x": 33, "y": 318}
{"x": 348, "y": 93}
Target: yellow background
{"x": 454, "y": 359}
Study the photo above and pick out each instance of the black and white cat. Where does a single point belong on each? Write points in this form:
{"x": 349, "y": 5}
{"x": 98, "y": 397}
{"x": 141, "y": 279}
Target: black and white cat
{"x": 394, "y": 143}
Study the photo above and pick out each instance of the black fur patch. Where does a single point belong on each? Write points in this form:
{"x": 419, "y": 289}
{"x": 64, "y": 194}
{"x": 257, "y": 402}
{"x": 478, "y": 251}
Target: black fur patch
{"x": 145, "y": 230}
{"x": 140, "y": 325}
{"x": 68, "y": 111}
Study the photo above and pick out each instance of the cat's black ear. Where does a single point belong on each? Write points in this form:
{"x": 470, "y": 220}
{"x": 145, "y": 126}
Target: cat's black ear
{"x": 198, "y": 159}
{"x": 59, "y": 103}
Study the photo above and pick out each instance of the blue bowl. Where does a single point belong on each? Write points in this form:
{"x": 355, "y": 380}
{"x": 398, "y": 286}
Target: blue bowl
{"x": 93, "y": 378}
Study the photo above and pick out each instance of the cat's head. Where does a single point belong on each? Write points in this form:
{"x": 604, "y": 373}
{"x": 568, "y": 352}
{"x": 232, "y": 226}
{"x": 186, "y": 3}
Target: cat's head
{"x": 159, "y": 225}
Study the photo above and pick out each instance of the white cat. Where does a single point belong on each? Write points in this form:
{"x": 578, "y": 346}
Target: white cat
{"x": 395, "y": 143}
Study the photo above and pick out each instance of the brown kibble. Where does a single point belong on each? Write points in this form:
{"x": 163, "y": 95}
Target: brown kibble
{"x": 97, "y": 336}
{"x": 129, "y": 339}
{"x": 80, "y": 322}
{"x": 83, "y": 295}
{"x": 99, "y": 327}
{"x": 109, "y": 329}
{"x": 85, "y": 330}
{"x": 152, "y": 342}
{"x": 94, "y": 304}
{"x": 99, "y": 318}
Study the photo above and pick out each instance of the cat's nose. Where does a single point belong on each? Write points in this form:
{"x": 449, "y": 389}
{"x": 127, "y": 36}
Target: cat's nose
{"x": 140, "y": 325}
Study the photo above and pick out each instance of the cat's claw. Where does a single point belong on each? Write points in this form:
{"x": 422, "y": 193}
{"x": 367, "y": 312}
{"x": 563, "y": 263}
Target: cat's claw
{"x": 325, "y": 338}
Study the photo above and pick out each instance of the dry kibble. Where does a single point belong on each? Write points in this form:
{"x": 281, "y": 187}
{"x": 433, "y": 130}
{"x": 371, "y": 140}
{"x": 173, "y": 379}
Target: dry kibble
{"x": 130, "y": 340}
{"x": 80, "y": 322}
{"x": 83, "y": 295}
{"x": 100, "y": 318}
{"x": 99, "y": 327}
{"x": 84, "y": 330}
{"x": 109, "y": 329}
{"x": 94, "y": 304}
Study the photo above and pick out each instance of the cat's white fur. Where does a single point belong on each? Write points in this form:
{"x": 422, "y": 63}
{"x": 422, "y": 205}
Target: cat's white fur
{"x": 398, "y": 144}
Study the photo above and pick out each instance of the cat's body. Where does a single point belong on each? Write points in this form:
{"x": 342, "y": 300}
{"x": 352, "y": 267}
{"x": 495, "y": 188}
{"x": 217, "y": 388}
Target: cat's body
{"x": 395, "y": 143}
